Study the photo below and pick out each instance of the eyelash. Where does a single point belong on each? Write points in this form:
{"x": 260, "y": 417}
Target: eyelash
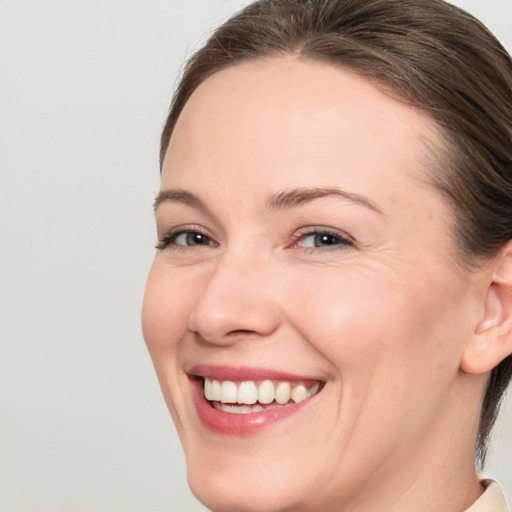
{"x": 341, "y": 239}
{"x": 169, "y": 238}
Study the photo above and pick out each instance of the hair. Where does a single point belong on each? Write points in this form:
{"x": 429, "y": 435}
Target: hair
{"x": 427, "y": 53}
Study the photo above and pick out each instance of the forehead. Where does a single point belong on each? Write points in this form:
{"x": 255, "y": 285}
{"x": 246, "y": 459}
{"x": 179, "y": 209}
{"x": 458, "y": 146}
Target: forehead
{"x": 292, "y": 118}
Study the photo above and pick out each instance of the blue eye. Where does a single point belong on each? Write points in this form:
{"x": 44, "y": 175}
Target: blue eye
{"x": 323, "y": 239}
{"x": 191, "y": 238}
{"x": 185, "y": 239}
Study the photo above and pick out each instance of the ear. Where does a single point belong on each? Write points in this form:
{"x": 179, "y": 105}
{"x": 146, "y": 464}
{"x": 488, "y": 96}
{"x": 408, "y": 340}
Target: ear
{"x": 492, "y": 340}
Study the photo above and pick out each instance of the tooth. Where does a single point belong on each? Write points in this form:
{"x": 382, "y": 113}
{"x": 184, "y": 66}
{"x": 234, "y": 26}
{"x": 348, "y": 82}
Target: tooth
{"x": 245, "y": 409}
{"x": 283, "y": 393}
{"x": 212, "y": 389}
{"x": 215, "y": 390}
{"x": 228, "y": 392}
{"x": 266, "y": 392}
{"x": 299, "y": 393}
{"x": 313, "y": 390}
{"x": 247, "y": 393}
{"x": 208, "y": 389}
{"x": 237, "y": 409}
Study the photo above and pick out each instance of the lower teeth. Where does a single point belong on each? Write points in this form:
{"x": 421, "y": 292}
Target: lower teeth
{"x": 237, "y": 409}
{"x": 243, "y": 409}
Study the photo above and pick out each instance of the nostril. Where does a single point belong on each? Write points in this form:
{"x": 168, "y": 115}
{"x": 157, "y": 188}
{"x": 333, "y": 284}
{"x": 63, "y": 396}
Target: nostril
{"x": 232, "y": 336}
{"x": 241, "y": 332}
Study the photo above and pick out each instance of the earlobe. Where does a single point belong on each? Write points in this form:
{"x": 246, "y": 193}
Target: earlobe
{"x": 492, "y": 339}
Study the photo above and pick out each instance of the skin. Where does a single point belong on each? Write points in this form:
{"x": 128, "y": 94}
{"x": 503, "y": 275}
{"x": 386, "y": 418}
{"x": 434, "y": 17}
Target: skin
{"x": 384, "y": 320}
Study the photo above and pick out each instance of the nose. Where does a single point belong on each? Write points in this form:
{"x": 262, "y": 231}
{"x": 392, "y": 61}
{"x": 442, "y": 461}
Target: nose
{"x": 236, "y": 302}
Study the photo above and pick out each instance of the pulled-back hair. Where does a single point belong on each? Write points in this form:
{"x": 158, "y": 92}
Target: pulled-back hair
{"x": 428, "y": 53}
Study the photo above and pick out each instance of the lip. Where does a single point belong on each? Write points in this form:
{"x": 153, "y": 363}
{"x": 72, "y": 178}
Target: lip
{"x": 242, "y": 425}
{"x": 243, "y": 373}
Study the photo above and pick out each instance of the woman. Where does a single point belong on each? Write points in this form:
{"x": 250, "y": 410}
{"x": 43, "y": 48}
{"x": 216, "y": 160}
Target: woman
{"x": 329, "y": 311}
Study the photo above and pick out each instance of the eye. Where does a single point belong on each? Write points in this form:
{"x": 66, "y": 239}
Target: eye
{"x": 191, "y": 238}
{"x": 185, "y": 239}
{"x": 322, "y": 238}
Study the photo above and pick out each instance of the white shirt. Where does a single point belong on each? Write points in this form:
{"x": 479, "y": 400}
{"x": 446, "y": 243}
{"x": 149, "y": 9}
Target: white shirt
{"x": 492, "y": 500}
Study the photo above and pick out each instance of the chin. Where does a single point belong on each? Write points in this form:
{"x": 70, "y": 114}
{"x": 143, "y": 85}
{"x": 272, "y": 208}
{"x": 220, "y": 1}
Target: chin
{"x": 257, "y": 477}
{"x": 222, "y": 493}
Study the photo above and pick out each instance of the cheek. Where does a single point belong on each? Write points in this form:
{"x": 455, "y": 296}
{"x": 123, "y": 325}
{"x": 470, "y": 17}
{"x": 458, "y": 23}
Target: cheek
{"x": 164, "y": 324}
{"x": 393, "y": 348}
{"x": 343, "y": 314}
{"x": 164, "y": 311}
{"x": 364, "y": 321}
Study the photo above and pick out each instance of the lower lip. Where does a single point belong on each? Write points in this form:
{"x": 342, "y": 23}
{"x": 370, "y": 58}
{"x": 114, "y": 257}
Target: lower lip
{"x": 241, "y": 425}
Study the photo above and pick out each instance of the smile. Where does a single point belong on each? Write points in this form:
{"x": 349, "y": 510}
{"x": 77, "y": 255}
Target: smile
{"x": 251, "y": 396}
{"x": 243, "y": 401}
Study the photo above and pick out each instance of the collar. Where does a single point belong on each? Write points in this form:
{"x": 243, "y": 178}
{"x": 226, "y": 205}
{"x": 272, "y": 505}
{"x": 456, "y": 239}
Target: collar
{"x": 492, "y": 499}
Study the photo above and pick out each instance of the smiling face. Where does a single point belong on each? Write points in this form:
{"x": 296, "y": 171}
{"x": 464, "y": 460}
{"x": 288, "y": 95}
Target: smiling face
{"x": 302, "y": 253}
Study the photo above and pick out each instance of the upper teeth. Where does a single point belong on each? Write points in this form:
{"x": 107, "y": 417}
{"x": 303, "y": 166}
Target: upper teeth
{"x": 248, "y": 392}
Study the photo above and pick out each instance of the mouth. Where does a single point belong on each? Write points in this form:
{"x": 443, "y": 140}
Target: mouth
{"x": 242, "y": 402}
{"x": 250, "y": 396}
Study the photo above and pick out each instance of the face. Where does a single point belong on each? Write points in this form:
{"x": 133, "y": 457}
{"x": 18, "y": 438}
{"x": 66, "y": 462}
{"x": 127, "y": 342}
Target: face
{"x": 306, "y": 283}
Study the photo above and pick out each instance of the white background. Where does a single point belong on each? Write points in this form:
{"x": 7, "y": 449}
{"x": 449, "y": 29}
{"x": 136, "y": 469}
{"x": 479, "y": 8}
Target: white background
{"x": 84, "y": 89}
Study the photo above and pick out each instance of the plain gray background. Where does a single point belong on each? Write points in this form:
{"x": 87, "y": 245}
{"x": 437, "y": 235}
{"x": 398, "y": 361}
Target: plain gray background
{"x": 84, "y": 89}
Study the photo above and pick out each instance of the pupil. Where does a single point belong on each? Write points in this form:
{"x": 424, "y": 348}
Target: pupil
{"x": 195, "y": 239}
{"x": 326, "y": 240}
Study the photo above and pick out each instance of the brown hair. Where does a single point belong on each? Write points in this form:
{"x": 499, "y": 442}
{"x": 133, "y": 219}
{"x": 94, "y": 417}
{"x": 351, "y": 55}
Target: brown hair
{"x": 427, "y": 53}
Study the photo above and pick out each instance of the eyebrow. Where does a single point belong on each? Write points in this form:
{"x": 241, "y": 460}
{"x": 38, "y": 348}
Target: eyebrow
{"x": 280, "y": 201}
{"x": 299, "y": 196}
{"x": 178, "y": 196}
